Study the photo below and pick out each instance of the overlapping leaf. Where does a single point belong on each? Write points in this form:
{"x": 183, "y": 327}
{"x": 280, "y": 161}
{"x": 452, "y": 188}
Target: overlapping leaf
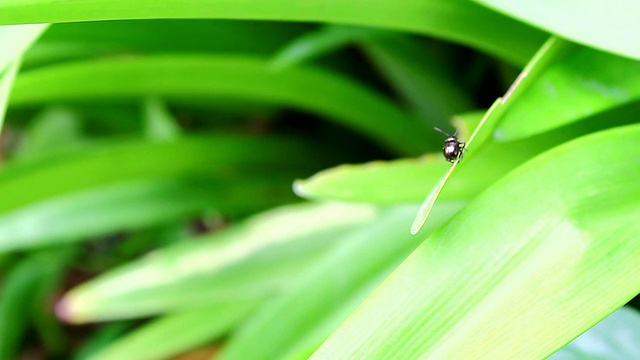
{"x": 519, "y": 265}
{"x": 189, "y": 77}
{"x": 589, "y": 25}
{"x": 246, "y": 262}
{"x": 456, "y": 20}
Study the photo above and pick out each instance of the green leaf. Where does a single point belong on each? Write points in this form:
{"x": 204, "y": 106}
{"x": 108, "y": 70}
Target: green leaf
{"x": 485, "y": 127}
{"x": 6, "y": 81}
{"x": 176, "y": 333}
{"x": 189, "y": 77}
{"x": 159, "y": 122}
{"x": 49, "y": 328}
{"x": 372, "y": 182}
{"x": 455, "y": 20}
{"x": 325, "y": 40}
{"x": 54, "y": 129}
{"x": 220, "y": 156}
{"x": 330, "y": 289}
{"x": 15, "y": 40}
{"x": 584, "y": 81}
{"x": 617, "y": 23}
{"x": 101, "y": 338}
{"x": 20, "y": 287}
{"x": 99, "y": 38}
{"x": 419, "y": 76}
{"x": 538, "y": 258}
{"x": 129, "y": 205}
{"x": 252, "y": 260}
{"x": 612, "y": 338}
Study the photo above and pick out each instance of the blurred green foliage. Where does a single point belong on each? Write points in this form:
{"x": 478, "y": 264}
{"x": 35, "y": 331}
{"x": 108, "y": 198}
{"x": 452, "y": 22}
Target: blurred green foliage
{"x": 148, "y": 154}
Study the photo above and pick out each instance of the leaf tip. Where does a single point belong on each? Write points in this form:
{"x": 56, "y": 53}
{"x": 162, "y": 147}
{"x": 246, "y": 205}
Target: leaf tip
{"x": 417, "y": 224}
{"x": 298, "y": 188}
{"x": 62, "y": 310}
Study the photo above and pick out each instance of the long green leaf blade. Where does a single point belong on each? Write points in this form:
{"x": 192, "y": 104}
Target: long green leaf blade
{"x": 189, "y": 77}
{"x": 616, "y": 32}
{"x": 584, "y": 81}
{"x": 15, "y": 40}
{"x": 251, "y": 260}
{"x": 518, "y": 266}
{"x": 456, "y": 20}
{"x": 330, "y": 289}
{"x": 22, "y": 183}
{"x": 176, "y": 333}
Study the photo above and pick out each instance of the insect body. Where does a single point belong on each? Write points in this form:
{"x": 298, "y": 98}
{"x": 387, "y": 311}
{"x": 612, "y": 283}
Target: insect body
{"x": 452, "y": 149}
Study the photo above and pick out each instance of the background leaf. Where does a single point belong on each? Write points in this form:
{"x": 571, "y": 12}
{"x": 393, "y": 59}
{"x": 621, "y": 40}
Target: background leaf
{"x": 204, "y": 77}
{"x": 584, "y": 80}
{"x": 328, "y": 291}
{"x": 454, "y": 20}
{"x": 246, "y": 262}
{"x": 614, "y": 32}
{"x": 612, "y": 338}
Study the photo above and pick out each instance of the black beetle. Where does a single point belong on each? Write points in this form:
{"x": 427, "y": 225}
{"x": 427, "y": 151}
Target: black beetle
{"x": 452, "y": 149}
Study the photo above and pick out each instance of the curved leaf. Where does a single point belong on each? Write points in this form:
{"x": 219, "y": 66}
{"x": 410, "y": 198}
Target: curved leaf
{"x": 329, "y": 290}
{"x": 6, "y": 81}
{"x": 175, "y": 333}
{"x": 21, "y": 286}
{"x": 320, "y": 42}
{"x": 617, "y": 21}
{"x": 252, "y": 260}
{"x": 538, "y": 258}
{"x": 578, "y": 84}
{"x": 130, "y": 205}
{"x": 15, "y": 40}
{"x": 456, "y": 20}
{"x": 221, "y": 156}
{"x": 419, "y": 76}
{"x": 65, "y": 41}
{"x": 204, "y": 77}
{"x": 54, "y": 129}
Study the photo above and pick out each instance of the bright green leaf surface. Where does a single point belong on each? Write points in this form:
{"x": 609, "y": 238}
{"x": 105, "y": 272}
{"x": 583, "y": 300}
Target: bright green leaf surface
{"x": 15, "y": 40}
{"x": 221, "y": 156}
{"x": 455, "y": 20}
{"x": 249, "y": 261}
{"x": 102, "y": 338}
{"x": 615, "y": 337}
{"x": 408, "y": 180}
{"x": 538, "y": 258}
{"x": 609, "y": 25}
{"x": 6, "y": 81}
{"x": 129, "y": 205}
{"x": 247, "y": 78}
{"x": 176, "y": 333}
{"x": 328, "y": 291}
{"x": 578, "y": 84}
{"x": 77, "y": 40}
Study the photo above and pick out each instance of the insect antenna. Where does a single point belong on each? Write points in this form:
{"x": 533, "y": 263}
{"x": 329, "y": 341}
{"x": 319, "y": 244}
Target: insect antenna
{"x": 444, "y": 132}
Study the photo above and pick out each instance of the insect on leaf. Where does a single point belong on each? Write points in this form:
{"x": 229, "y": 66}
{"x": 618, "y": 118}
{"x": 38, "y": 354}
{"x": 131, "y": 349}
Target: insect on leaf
{"x": 551, "y": 51}
{"x": 427, "y": 205}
